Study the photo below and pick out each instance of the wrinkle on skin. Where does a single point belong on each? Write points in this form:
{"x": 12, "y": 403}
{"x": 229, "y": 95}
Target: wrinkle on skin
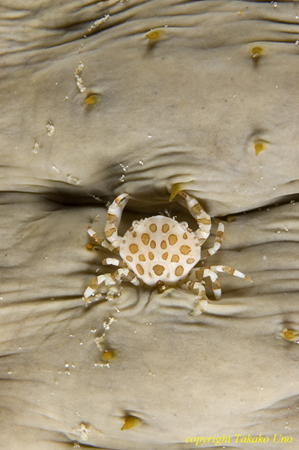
{"x": 180, "y": 104}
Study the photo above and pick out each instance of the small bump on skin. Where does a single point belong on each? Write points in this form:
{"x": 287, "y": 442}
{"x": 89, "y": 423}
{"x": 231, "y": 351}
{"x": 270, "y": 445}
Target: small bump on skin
{"x": 133, "y": 248}
{"x": 163, "y": 245}
{"x": 190, "y": 260}
{"x": 165, "y": 227}
{"x": 141, "y": 257}
{"x": 185, "y": 236}
{"x": 129, "y": 258}
{"x": 151, "y": 256}
{"x": 130, "y": 422}
{"x": 172, "y": 239}
{"x": 165, "y": 255}
{"x": 153, "y": 227}
{"x": 92, "y": 99}
{"x": 153, "y": 244}
{"x": 145, "y": 238}
{"x": 175, "y": 258}
{"x": 158, "y": 269}
{"x": 179, "y": 271}
{"x": 134, "y": 234}
{"x": 185, "y": 249}
{"x": 154, "y": 34}
{"x": 139, "y": 269}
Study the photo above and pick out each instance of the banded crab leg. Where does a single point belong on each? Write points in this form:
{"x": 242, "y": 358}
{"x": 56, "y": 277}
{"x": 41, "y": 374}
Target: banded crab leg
{"x": 211, "y": 272}
{"x": 100, "y": 240}
{"x": 111, "y": 281}
{"x": 217, "y": 244}
{"x": 204, "y": 223}
{"x": 113, "y": 219}
{"x": 202, "y": 218}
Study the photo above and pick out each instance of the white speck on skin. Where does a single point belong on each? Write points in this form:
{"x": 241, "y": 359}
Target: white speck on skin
{"x": 79, "y": 80}
{"x": 36, "y": 147}
{"x": 73, "y": 180}
{"x": 98, "y": 22}
{"x": 50, "y": 129}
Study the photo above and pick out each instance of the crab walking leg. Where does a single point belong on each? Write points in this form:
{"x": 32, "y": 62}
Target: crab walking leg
{"x": 113, "y": 219}
{"x": 203, "y": 219}
{"x": 211, "y": 272}
{"x": 100, "y": 240}
{"x": 217, "y": 243}
{"x": 110, "y": 279}
{"x": 201, "y": 299}
{"x": 206, "y": 272}
{"x": 113, "y": 262}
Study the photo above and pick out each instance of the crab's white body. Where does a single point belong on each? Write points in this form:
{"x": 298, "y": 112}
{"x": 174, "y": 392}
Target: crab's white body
{"x": 159, "y": 251}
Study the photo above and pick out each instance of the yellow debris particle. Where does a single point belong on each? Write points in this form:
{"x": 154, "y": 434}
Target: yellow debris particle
{"x": 290, "y": 335}
{"x": 89, "y": 247}
{"x": 130, "y": 422}
{"x": 155, "y": 34}
{"x": 176, "y": 188}
{"x": 259, "y": 147}
{"x": 92, "y": 99}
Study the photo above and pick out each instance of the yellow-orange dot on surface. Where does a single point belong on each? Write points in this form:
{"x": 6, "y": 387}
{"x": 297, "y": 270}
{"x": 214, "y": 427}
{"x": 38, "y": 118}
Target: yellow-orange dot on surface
{"x": 153, "y": 227}
{"x": 141, "y": 257}
{"x": 165, "y": 227}
{"x": 163, "y": 245}
{"x": 179, "y": 271}
{"x": 158, "y": 269}
{"x": 185, "y": 249}
{"x": 172, "y": 239}
{"x": 130, "y": 422}
{"x": 139, "y": 269}
{"x": 129, "y": 258}
{"x": 190, "y": 260}
{"x": 165, "y": 255}
{"x": 145, "y": 238}
{"x": 92, "y": 99}
{"x": 108, "y": 354}
{"x": 175, "y": 258}
{"x": 151, "y": 256}
{"x": 154, "y": 34}
{"x": 259, "y": 147}
{"x": 153, "y": 244}
{"x": 133, "y": 248}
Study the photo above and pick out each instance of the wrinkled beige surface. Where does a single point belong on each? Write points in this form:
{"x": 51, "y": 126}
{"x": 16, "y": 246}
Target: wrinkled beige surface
{"x": 187, "y": 108}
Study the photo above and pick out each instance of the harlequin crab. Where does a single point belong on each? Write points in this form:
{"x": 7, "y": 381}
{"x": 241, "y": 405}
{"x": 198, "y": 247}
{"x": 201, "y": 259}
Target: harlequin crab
{"x": 160, "y": 252}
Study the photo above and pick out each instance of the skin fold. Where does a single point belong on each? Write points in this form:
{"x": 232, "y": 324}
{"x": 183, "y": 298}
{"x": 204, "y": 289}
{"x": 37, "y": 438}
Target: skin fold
{"x": 149, "y": 98}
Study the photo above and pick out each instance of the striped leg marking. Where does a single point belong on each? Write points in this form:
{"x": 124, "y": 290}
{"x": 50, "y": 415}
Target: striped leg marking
{"x": 113, "y": 262}
{"x": 113, "y": 219}
{"x": 206, "y": 272}
{"x": 100, "y": 240}
{"x": 217, "y": 243}
{"x": 203, "y": 219}
{"x": 110, "y": 280}
{"x": 211, "y": 272}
